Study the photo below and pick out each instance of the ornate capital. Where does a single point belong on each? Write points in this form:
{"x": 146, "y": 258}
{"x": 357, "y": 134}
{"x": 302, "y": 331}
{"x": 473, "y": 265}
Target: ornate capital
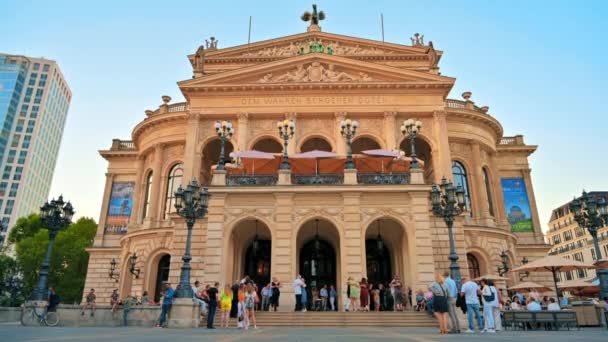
{"x": 390, "y": 115}
{"x": 340, "y": 115}
{"x": 193, "y": 115}
{"x": 291, "y": 115}
{"x": 242, "y": 116}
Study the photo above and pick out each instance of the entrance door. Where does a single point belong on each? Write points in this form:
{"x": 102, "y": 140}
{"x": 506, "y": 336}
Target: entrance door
{"x": 378, "y": 263}
{"x": 257, "y": 265}
{"x": 318, "y": 264}
{"x": 162, "y": 274}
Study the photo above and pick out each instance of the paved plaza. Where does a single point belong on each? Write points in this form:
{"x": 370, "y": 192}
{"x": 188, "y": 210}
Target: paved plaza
{"x": 16, "y": 333}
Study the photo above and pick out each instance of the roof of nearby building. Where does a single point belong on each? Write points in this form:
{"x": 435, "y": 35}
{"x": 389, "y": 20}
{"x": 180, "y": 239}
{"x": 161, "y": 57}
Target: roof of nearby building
{"x": 565, "y": 208}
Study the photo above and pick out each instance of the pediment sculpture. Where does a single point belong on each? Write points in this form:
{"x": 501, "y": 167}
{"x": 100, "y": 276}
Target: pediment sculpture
{"x": 315, "y": 72}
{"x": 302, "y": 47}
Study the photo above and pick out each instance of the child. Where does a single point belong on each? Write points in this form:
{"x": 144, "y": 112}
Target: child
{"x": 225, "y": 305}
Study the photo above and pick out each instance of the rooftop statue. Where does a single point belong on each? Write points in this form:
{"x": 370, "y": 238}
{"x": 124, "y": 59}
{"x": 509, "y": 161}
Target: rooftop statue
{"x": 313, "y": 17}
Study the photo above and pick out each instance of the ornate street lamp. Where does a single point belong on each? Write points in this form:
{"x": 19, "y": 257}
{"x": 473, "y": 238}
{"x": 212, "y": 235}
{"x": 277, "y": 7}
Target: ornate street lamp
{"x": 410, "y": 128}
{"x": 448, "y": 202}
{"x": 348, "y": 129}
{"x": 526, "y": 274}
{"x": 190, "y": 203}
{"x": 504, "y": 266}
{"x": 113, "y": 274}
{"x": 55, "y": 216}
{"x": 132, "y": 263}
{"x": 591, "y": 213}
{"x": 225, "y": 131}
{"x": 287, "y": 128}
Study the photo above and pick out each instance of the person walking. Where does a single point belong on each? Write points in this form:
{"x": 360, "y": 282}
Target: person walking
{"x": 332, "y": 297}
{"x": 364, "y": 294}
{"x": 396, "y": 286}
{"x": 266, "y": 293}
{"x": 127, "y": 304}
{"x": 440, "y": 302}
{"x": 212, "y": 292}
{"x": 324, "y": 294}
{"x": 250, "y": 296}
{"x": 450, "y": 284}
{"x": 166, "y": 306}
{"x": 470, "y": 291}
{"x": 225, "y": 306}
{"x": 298, "y": 285}
{"x": 489, "y": 298}
{"x": 235, "y": 300}
{"x": 276, "y": 292}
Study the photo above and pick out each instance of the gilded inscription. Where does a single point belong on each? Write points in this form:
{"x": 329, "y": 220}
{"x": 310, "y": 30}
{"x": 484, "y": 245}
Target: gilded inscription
{"x": 315, "y": 100}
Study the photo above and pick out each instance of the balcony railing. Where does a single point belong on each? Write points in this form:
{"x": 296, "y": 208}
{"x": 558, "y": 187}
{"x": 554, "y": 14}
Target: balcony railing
{"x": 322, "y": 179}
{"x": 382, "y": 178}
{"x": 122, "y": 145}
{"x": 251, "y": 180}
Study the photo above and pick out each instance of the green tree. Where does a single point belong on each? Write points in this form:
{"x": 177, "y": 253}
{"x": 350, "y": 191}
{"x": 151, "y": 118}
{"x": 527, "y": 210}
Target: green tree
{"x": 69, "y": 259}
{"x": 11, "y": 284}
{"x": 25, "y": 227}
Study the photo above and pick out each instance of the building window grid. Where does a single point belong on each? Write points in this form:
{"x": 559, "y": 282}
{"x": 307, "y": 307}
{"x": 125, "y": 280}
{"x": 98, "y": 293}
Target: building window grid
{"x": 173, "y": 182}
{"x": 460, "y": 179}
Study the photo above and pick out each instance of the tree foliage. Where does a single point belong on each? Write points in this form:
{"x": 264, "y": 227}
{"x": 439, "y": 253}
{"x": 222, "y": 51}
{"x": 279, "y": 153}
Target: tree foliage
{"x": 69, "y": 259}
{"x": 11, "y": 284}
{"x": 25, "y": 227}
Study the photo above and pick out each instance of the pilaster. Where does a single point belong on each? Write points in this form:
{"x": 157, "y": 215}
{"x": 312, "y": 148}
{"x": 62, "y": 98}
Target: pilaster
{"x": 538, "y": 234}
{"x": 340, "y": 145}
{"x": 104, "y": 210}
{"x": 478, "y": 191}
{"x": 156, "y": 183}
{"x": 291, "y": 147}
{"x": 389, "y": 130}
{"x": 442, "y": 162}
{"x": 243, "y": 131}
{"x": 191, "y": 162}
{"x": 213, "y": 250}
{"x": 420, "y": 244}
{"x": 138, "y": 194}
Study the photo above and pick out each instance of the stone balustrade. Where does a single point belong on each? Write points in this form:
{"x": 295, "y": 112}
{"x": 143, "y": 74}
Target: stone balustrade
{"x": 122, "y": 145}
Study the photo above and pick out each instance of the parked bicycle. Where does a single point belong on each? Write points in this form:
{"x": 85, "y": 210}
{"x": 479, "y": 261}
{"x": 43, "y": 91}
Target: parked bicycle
{"x": 32, "y": 314}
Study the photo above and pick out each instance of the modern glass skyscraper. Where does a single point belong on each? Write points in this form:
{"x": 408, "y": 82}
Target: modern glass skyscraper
{"x": 34, "y": 102}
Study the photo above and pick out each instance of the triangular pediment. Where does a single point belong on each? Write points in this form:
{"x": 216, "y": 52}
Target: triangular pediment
{"x": 317, "y": 68}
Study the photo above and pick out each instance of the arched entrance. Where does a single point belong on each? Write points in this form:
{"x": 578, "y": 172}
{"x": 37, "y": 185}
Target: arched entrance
{"x": 315, "y": 143}
{"x": 363, "y": 144}
{"x": 250, "y": 248}
{"x": 211, "y": 156}
{"x": 268, "y": 145}
{"x": 385, "y": 251}
{"x": 318, "y": 243}
{"x": 162, "y": 275}
{"x": 423, "y": 152}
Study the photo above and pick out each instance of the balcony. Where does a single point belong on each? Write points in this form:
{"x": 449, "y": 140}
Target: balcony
{"x": 251, "y": 180}
{"x": 383, "y": 178}
{"x": 319, "y": 179}
{"x": 122, "y": 145}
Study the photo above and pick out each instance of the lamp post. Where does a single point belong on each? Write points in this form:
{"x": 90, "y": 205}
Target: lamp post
{"x": 287, "y": 128}
{"x": 55, "y": 216}
{"x": 113, "y": 274}
{"x": 225, "y": 131}
{"x": 132, "y": 263}
{"x": 448, "y": 202}
{"x": 348, "y": 129}
{"x": 591, "y": 213}
{"x": 410, "y": 128}
{"x": 191, "y": 203}
{"x": 504, "y": 264}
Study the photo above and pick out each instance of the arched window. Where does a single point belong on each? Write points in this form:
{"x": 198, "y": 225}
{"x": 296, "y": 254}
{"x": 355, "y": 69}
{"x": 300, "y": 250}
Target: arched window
{"x": 460, "y": 179}
{"x": 315, "y": 144}
{"x": 486, "y": 180}
{"x": 474, "y": 271}
{"x": 363, "y": 144}
{"x": 147, "y": 192}
{"x": 268, "y": 145}
{"x": 173, "y": 182}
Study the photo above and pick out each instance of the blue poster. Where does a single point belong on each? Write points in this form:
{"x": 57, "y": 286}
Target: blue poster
{"x": 119, "y": 208}
{"x": 517, "y": 205}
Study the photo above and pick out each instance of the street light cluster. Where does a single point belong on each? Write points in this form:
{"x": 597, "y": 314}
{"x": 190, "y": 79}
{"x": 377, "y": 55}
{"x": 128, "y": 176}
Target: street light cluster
{"x": 348, "y": 129}
{"x": 225, "y": 131}
{"x": 591, "y": 213}
{"x": 410, "y": 128}
{"x": 287, "y": 128}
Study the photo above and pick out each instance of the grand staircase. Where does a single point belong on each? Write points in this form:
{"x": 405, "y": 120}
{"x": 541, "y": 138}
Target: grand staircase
{"x": 345, "y": 319}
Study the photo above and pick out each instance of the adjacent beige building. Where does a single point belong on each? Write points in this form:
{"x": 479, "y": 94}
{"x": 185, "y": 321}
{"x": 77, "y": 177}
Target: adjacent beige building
{"x": 571, "y": 241}
{"x": 327, "y": 227}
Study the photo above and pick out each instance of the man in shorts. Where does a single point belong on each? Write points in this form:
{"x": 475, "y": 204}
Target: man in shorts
{"x": 114, "y": 301}
{"x": 89, "y": 303}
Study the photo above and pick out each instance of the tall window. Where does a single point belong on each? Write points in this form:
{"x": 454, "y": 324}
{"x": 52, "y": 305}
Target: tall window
{"x": 147, "y": 193}
{"x": 474, "y": 271}
{"x": 486, "y": 180}
{"x": 460, "y": 179}
{"x": 173, "y": 182}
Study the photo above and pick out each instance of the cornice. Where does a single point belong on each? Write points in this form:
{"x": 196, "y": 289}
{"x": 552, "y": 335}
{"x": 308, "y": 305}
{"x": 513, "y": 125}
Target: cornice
{"x": 157, "y": 120}
{"x": 476, "y": 116}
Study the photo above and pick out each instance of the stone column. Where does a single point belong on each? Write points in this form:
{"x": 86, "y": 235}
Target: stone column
{"x": 442, "y": 159}
{"x": 499, "y": 202}
{"x": 291, "y": 147}
{"x": 191, "y": 162}
{"x": 351, "y": 258}
{"x": 138, "y": 194}
{"x": 538, "y": 234}
{"x": 420, "y": 245}
{"x": 340, "y": 143}
{"x": 156, "y": 195}
{"x": 284, "y": 249}
{"x": 214, "y": 252}
{"x": 478, "y": 190}
{"x": 389, "y": 130}
{"x": 243, "y": 130}
{"x": 104, "y": 210}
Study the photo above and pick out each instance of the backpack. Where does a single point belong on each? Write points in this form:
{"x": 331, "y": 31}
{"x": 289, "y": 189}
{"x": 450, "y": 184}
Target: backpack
{"x": 489, "y": 298}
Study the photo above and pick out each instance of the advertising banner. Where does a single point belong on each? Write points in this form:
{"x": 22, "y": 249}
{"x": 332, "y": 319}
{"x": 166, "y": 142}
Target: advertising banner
{"x": 119, "y": 208}
{"x": 517, "y": 205}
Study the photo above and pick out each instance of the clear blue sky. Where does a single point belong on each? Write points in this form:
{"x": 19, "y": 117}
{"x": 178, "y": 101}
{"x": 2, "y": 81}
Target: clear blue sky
{"x": 541, "y": 66}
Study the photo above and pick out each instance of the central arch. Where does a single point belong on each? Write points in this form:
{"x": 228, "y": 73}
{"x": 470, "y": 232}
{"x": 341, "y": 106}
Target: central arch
{"x": 211, "y": 156}
{"x": 389, "y": 257}
{"x": 250, "y": 248}
{"x": 318, "y": 246}
{"x": 423, "y": 152}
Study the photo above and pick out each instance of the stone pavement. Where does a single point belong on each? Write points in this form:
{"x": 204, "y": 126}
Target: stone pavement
{"x": 12, "y": 332}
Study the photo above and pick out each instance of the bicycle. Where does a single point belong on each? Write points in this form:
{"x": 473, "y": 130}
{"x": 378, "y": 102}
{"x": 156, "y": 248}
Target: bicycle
{"x": 31, "y": 315}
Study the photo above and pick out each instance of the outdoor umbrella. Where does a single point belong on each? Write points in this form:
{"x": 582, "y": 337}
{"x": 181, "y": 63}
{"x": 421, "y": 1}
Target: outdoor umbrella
{"x": 553, "y": 264}
{"x": 492, "y": 277}
{"x": 316, "y": 155}
{"x": 579, "y": 286}
{"x": 603, "y": 263}
{"x": 528, "y": 286}
{"x": 382, "y": 154}
{"x": 253, "y": 155}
